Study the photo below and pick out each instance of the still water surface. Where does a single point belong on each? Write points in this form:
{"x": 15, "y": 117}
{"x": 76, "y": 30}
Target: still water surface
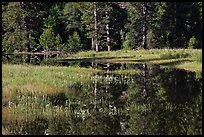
{"x": 152, "y": 101}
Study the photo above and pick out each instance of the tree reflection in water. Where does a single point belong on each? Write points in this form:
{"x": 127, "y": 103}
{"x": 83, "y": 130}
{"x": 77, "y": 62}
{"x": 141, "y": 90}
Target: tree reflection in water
{"x": 152, "y": 101}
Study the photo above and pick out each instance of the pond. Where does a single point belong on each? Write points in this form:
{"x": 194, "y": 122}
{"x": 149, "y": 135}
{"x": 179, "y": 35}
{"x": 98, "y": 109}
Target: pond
{"x": 123, "y": 99}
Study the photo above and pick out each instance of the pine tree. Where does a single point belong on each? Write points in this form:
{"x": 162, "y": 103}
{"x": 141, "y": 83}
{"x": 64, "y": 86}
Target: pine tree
{"x": 141, "y": 18}
{"x": 73, "y": 22}
{"x": 23, "y": 24}
{"x": 178, "y": 23}
{"x": 47, "y": 39}
{"x": 74, "y": 42}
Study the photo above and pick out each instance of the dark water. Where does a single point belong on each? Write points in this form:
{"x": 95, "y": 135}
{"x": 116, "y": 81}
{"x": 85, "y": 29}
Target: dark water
{"x": 153, "y": 101}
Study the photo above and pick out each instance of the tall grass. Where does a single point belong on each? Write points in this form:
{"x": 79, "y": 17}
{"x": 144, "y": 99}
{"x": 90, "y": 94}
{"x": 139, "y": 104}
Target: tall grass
{"x": 40, "y": 80}
{"x": 172, "y": 54}
{"x": 140, "y": 54}
{"x": 198, "y": 58}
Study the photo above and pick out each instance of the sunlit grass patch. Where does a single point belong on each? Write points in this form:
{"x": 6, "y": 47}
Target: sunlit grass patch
{"x": 198, "y": 58}
{"x": 155, "y": 56}
{"x": 41, "y": 80}
{"x": 191, "y": 66}
{"x": 171, "y": 54}
{"x": 166, "y": 61}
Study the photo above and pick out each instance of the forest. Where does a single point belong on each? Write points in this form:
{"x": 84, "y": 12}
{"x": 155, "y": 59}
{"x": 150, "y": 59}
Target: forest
{"x": 100, "y": 26}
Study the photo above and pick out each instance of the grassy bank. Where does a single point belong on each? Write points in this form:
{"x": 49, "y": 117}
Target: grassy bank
{"x": 40, "y": 80}
{"x": 188, "y": 59}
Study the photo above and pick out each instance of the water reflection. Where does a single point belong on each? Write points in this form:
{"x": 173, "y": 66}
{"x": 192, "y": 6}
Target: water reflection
{"x": 34, "y": 59}
{"x": 153, "y": 101}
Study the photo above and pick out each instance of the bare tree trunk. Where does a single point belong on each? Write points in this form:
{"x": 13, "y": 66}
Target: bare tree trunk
{"x": 175, "y": 23}
{"x": 144, "y": 28}
{"x": 107, "y": 33}
{"x": 95, "y": 27}
{"x": 92, "y": 43}
{"x": 27, "y": 39}
{"x": 25, "y": 28}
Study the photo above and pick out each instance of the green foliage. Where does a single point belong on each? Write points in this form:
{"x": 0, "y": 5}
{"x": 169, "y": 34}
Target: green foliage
{"x": 168, "y": 25}
{"x": 74, "y": 42}
{"x": 199, "y": 58}
{"x": 54, "y": 18}
{"x": 13, "y": 38}
{"x": 171, "y": 54}
{"x": 192, "y": 43}
{"x": 171, "y": 30}
{"x": 58, "y": 42}
{"x": 72, "y": 17}
{"x": 151, "y": 40}
{"x": 126, "y": 45}
{"x": 140, "y": 14}
{"x": 22, "y": 25}
{"x": 49, "y": 41}
{"x": 12, "y": 41}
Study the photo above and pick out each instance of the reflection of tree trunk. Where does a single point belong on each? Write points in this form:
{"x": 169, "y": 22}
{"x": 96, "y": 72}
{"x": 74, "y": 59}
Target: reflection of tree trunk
{"x": 95, "y": 105}
{"x": 95, "y": 93}
{"x": 107, "y": 76}
{"x": 94, "y": 65}
{"x": 145, "y": 79}
{"x": 95, "y": 86}
{"x": 28, "y": 58}
{"x": 175, "y": 86}
{"x": 145, "y": 126}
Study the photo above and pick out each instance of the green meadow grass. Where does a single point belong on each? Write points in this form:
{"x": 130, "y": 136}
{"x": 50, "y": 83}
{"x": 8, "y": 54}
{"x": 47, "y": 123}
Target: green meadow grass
{"x": 41, "y": 80}
{"x": 188, "y": 59}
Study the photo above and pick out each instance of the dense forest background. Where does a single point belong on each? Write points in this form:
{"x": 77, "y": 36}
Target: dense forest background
{"x": 100, "y": 26}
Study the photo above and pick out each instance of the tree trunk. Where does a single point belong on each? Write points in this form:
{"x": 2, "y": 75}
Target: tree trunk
{"x": 175, "y": 24}
{"x": 25, "y": 28}
{"x": 95, "y": 27}
{"x": 107, "y": 33}
{"x": 27, "y": 40}
{"x": 144, "y": 28}
{"x": 92, "y": 43}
